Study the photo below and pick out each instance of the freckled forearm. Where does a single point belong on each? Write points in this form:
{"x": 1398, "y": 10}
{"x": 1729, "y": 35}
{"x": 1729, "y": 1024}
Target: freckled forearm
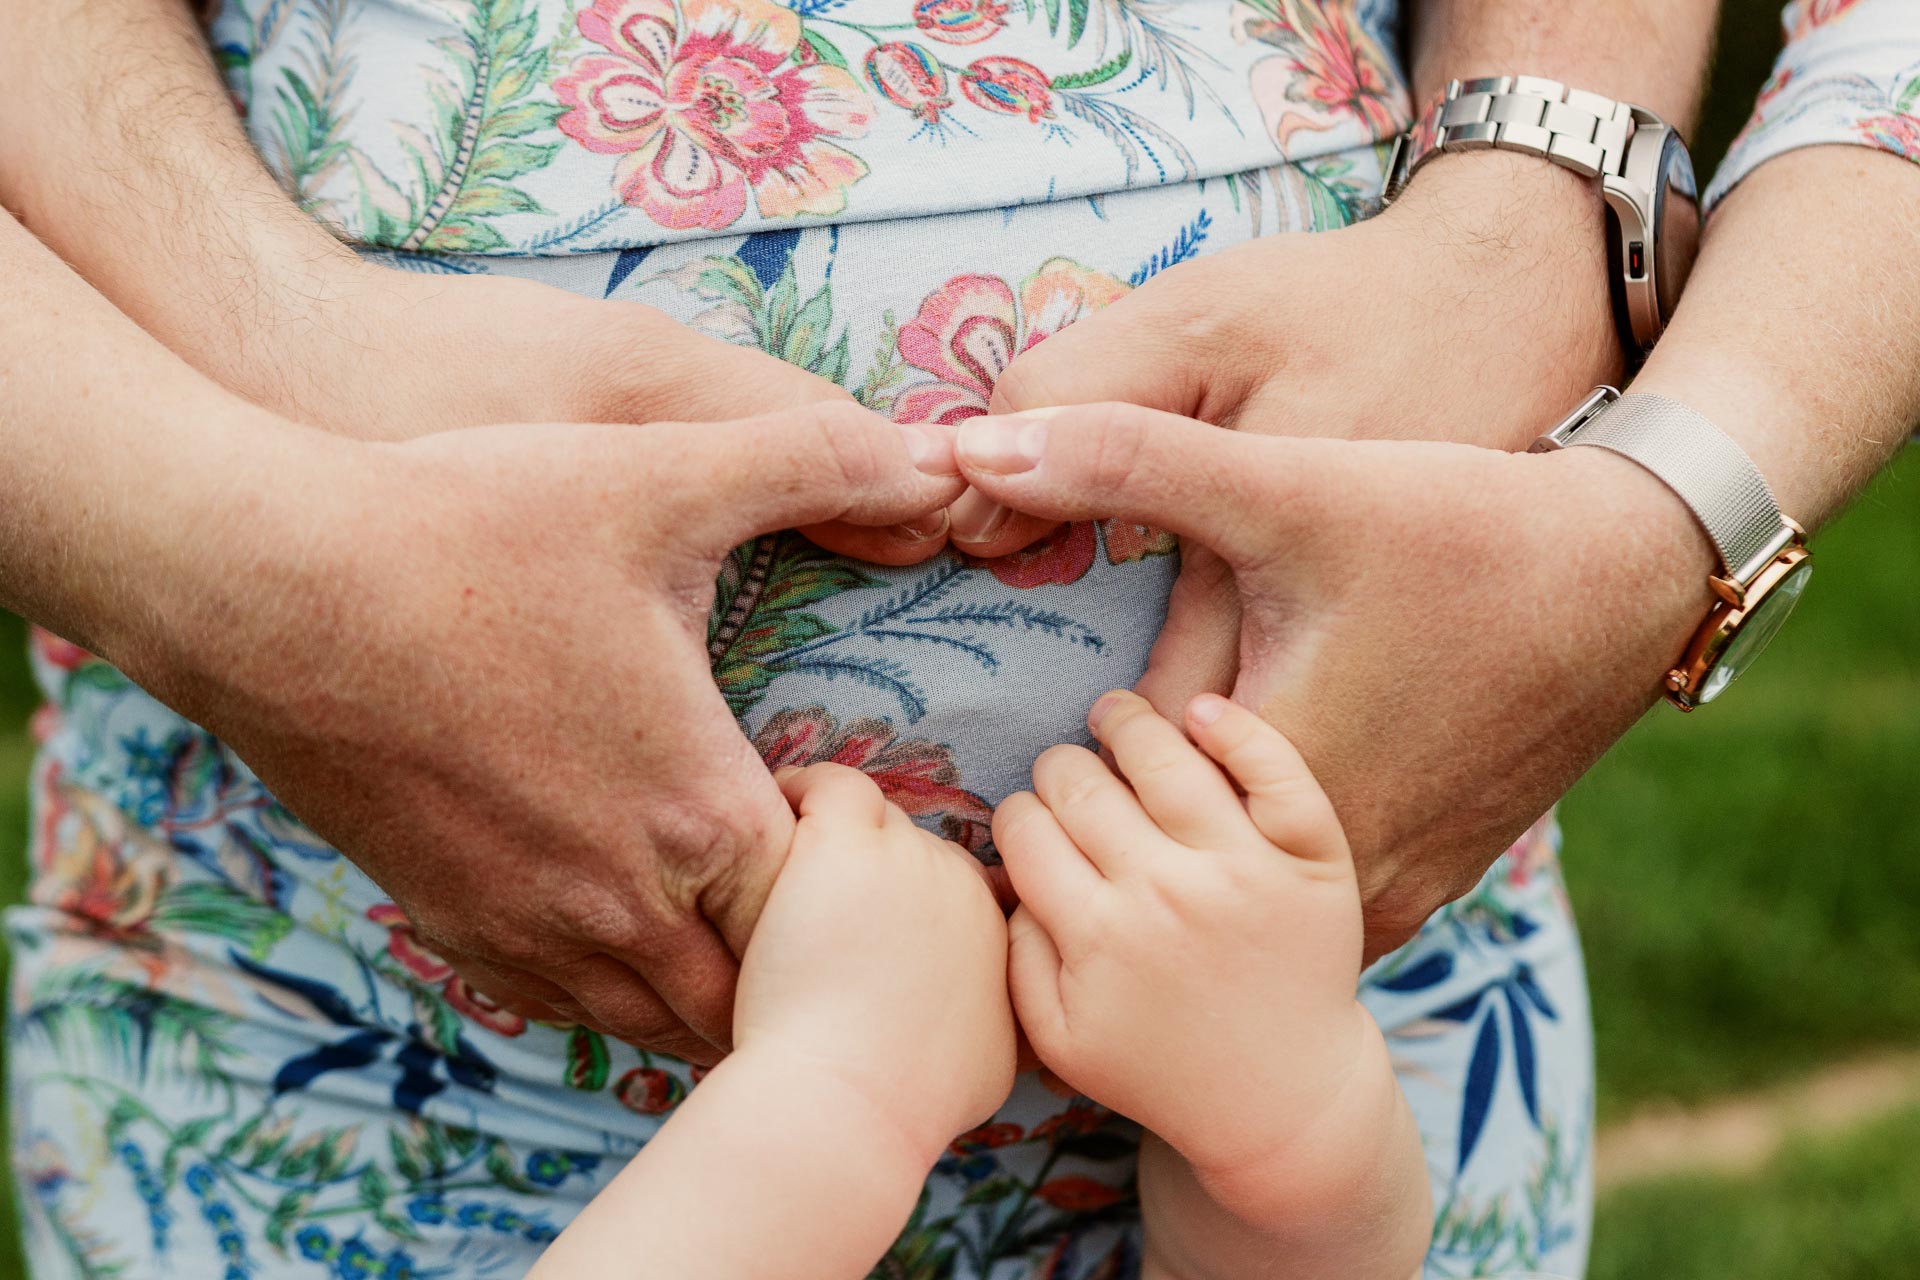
{"x": 1799, "y": 333}
{"x": 1649, "y": 52}
{"x": 122, "y": 151}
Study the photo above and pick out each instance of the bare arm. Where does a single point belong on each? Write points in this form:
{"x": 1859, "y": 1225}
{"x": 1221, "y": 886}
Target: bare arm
{"x": 1801, "y": 343}
{"x": 126, "y": 157}
{"x": 770, "y": 1168}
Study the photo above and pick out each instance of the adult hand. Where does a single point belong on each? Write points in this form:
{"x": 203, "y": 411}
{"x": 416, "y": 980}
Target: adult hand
{"x": 390, "y": 355}
{"x": 1450, "y": 634}
{"x": 1474, "y": 309}
{"x": 476, "y": 663}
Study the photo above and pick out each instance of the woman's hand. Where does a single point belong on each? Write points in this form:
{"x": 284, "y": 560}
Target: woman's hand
{"x": 1449, "y": 634}
{"x": 1474, "y": 310}
{"x": 881, "y": 957}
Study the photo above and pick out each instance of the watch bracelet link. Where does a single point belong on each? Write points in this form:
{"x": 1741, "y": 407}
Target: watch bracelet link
{"x": 1577, "y": 130}
{"x": 1703, "y": 465}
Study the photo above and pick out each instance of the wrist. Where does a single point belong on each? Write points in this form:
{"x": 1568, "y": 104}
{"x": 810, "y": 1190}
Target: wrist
{"x": 903, "y": 1142}
{"x": 1521, "y": 279}
{"x": 1356, "y": 1171}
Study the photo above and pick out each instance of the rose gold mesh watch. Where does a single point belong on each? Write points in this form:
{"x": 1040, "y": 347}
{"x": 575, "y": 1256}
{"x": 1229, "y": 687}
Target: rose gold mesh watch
{"x": 1644, "y": 170}
{"x": 1764, "y": 561}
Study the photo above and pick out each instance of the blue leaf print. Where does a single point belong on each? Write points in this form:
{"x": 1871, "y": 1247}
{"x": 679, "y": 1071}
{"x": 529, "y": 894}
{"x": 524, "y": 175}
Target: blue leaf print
{"x": 1524, "y": 977}
{"x": 1430, "y": 972}
{"x": 1462, "y": 1010}
{"x": 356, "y": 1051}
{"x": 1477, "y": 1097}
{"x": 1523, "y": 1060}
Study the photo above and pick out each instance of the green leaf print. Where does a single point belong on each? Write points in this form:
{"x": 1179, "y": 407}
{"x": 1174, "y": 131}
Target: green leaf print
{"x": 209, "y": 907}
{"x": 1909, "y": 98}
{"x": 1097, "y": 75}
{"x": 759, "y": 610}
{"x": 824, "y": 49}
{"x": 309, "y": 112}
{"x": 464, "y": 169}
{"x": 86, "y": 1016}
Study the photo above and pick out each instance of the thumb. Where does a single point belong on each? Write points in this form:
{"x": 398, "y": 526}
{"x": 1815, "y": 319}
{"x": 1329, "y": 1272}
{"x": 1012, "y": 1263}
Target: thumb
{"x": 1232, "y": 492}
{"x": 1121, "y": 353}
{"x": 732, "y": 481}
{"x": 1198, "y": 649}
{"x": 1117, "y": 354}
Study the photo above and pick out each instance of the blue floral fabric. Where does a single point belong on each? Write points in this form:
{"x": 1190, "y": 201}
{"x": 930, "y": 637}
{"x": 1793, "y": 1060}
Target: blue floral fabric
{"x": 231, "y": 1055}
{"x": 1849, "y": 75}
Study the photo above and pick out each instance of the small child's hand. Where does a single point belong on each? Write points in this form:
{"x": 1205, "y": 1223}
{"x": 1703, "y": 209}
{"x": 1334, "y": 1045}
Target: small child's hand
{"x": 1183, "y": 954}
{"x": 881, "y": 956}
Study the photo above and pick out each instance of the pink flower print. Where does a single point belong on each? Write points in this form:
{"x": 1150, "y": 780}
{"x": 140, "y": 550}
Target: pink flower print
{"x": 908, "y": 76}
{"x": 969, "y": 330}
{"x": 481, "y": 1008}
{"x": 1804, "y": 15}
{"x": 404, "y": 945}
{"x": 960, "y": 21}
{"x": 1062, "y": 556}
{"x": 1898, "y": 134}
{"x": 918, "y": 775}
{"x": 707, "y": 101}
{"x": 1330, "y": 66}
{"x": 1010, "y": 87}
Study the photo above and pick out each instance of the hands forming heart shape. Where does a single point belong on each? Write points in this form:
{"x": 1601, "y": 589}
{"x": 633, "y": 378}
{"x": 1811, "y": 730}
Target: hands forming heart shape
{"x": 1442, "y": 628}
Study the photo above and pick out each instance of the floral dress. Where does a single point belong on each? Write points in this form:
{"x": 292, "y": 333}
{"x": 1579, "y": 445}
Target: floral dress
{"x": 230, "y": 1054}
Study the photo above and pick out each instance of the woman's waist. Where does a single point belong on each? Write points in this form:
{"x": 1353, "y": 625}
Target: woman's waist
{"x": 524, "y": 127}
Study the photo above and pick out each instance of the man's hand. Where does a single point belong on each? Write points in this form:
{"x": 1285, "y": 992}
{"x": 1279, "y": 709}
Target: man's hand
{"x": 390, "y": 355}
{"x": 476, "y": 663}
{"x": 1450, "y": 634}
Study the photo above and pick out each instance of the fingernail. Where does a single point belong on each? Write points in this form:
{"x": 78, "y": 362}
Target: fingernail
{"x": 1004, "y": 446}
{"x": 1206, "y": 708}
{"x": 1103, "y": 705}
{"x": 931, "y": 449}
{"x": 976, "y": 517}
{"x": 924, "y": 529}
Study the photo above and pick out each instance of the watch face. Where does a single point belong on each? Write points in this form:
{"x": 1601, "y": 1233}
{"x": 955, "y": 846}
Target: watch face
{"x": 1676, "y": 220}
{"x": 1757, "y": 629}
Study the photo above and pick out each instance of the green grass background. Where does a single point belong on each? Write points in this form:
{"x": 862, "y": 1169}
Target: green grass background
{"x": 1747, "y": 879}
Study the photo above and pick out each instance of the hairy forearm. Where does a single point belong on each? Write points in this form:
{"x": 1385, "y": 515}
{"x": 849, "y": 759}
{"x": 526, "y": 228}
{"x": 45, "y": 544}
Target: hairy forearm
{"x": 1649, "y": 52}
{"x": 1347, "y": 1201}
{"x": 768, "y": 1169}
{"x": 128, "y": 479}
{"x": 126, "y": 156}
{"x": 1799, "y": 333}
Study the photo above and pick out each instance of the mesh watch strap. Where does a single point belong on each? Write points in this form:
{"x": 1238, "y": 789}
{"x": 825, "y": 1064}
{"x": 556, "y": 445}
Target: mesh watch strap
{"x": 1579, "y": 130}
{"x": 1713, "y": 475}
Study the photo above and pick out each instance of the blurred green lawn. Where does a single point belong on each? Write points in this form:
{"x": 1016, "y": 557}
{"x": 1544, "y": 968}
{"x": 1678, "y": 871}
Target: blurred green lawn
{"x": 1746, "y": 878}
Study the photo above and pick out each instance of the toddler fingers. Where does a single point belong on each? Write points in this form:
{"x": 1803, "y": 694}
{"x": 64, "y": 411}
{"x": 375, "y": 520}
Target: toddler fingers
{"x": 1097, "y": 811}
{"x": 834, "y": 791}
{"x": 1033, "y": 981}
{"x": 1284, "y": 799}
{"x": 1049, "y": 873}
{"x": 1179, "y": 787}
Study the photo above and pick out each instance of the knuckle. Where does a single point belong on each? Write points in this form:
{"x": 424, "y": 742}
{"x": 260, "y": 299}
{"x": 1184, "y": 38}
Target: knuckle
{"x": 593, "y": 915}
{"x": 1118, "y": 449}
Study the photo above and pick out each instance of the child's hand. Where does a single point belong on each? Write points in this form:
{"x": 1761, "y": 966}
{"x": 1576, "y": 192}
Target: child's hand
{"x": 1182, "y": 954}
{"x": 881, "y": 956}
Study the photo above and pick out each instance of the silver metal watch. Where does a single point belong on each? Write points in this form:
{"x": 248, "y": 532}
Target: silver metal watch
{"x": 1645, "y": 174}
{"x": 1763, "y": 555}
